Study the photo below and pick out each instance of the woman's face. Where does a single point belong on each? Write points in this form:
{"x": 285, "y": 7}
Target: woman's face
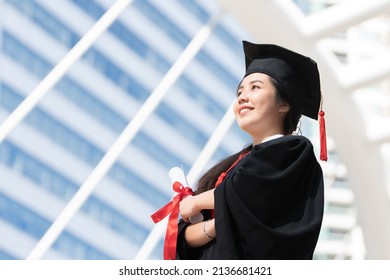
{"x": 257, "y": 108}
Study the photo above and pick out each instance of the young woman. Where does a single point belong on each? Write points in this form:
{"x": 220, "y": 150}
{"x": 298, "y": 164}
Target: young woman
{"x": 266, "y": 201}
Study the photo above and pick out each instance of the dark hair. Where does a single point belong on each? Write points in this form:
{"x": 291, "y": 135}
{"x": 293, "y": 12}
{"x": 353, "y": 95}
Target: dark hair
{"x": 208, "y": 180}
{"x": 293, "y": 115}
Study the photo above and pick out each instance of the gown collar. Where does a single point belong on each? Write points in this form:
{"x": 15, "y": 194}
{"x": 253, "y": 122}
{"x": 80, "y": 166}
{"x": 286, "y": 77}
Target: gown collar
{"x": 272, "y": 137}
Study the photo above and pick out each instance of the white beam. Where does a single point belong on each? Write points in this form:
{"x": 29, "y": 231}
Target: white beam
{"x": 378, "y": 131}
{"x": 362, "y": 73}
{"x": 269, "y": 21}
{"x": 123, "y": 140}
{"x": 341, "y": 16}
{"x": 211, "y": 146}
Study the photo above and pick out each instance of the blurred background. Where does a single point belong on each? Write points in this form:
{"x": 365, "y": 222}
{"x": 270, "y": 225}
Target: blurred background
{"x": 160, "y": 76}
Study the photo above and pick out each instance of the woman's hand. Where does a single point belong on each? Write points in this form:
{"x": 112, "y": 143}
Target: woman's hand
{"x": 188, "y": 207}
{"x": 192, "y": 205}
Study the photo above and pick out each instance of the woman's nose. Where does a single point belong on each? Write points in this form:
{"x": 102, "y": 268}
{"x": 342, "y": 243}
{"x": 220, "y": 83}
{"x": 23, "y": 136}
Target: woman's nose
{"x": 243, "y": 97}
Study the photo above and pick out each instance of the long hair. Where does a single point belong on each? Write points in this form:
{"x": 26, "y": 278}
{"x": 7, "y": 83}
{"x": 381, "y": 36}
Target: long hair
{"x": 208, "y": 180}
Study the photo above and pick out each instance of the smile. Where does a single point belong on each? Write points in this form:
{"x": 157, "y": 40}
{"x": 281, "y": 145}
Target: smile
{"x": 245, "y": 110}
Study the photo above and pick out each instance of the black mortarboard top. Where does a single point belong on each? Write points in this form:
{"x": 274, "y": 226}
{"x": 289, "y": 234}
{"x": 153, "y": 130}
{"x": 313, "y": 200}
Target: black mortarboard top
{"x": 298, "y": 74}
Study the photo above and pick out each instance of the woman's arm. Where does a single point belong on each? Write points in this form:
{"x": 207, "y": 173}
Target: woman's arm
{"x": 200, "y": 234}
{"x": 192, "y": 205}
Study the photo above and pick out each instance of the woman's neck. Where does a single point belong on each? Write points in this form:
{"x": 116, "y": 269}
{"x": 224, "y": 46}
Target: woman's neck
{"x": 273, "y": 133}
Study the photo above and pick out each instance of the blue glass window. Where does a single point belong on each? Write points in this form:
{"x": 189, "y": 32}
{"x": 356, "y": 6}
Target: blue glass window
{"x": 90, "y": 104}
{"x": 35, "y": 225}
{"x": 72, "y": 142}
{"x": 183, "y": 39}
{"x": 195, "y": 9}
{"x": 64, "y": 189}
{"x": 160, "y": 20}
{"x": 52, "y": 25}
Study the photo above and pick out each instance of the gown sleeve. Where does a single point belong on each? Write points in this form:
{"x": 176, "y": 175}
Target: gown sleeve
{"x": 270, "y": 206}
{"x": 186, "y": 252}
{"x": 183, "y": 250}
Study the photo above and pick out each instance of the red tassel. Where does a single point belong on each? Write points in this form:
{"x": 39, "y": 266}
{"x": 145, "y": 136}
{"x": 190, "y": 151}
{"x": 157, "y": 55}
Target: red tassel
{"x": 323, "y": 148}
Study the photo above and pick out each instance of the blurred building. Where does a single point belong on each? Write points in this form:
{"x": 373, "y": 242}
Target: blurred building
{"x": 341, "y": 236}
{"x": 48, "y": 156}
{"x": 365, "y": 38}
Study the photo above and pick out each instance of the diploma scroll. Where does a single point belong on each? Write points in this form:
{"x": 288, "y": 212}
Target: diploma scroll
{"x": 176, "y": 174}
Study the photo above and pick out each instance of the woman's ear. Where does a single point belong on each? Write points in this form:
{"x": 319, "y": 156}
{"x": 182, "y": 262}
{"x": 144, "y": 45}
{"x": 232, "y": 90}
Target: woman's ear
{"x": 284, "y": 108}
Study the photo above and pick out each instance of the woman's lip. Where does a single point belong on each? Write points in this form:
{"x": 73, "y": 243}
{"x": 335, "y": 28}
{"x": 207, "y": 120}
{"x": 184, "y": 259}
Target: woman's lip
{"x": 244, "y": 110}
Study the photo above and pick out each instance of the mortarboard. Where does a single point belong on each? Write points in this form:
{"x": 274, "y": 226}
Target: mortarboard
{"x": 298, "y": 74}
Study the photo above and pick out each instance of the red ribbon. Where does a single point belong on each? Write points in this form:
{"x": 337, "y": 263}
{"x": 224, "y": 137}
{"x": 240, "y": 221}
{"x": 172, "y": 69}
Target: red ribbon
{"x": 172, "y": 209}
{"x": 223, "y": 174}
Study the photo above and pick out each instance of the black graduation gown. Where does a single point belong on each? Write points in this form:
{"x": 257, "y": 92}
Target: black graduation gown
{"x": 270, "y": 205}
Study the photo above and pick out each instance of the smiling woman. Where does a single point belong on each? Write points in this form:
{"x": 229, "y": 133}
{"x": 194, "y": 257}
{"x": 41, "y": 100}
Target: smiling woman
{"x": 266, "y": 201}
{"x": 258, "y": 110}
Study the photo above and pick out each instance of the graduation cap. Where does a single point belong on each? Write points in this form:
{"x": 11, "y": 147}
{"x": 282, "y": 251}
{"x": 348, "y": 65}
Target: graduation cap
{"x": 298, "y": 75}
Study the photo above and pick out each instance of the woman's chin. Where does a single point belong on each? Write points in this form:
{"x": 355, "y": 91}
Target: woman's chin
{"x": 246, "y": 128}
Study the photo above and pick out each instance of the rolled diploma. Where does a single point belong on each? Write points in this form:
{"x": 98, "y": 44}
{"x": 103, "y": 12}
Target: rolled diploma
{"x": 176, "y": 174}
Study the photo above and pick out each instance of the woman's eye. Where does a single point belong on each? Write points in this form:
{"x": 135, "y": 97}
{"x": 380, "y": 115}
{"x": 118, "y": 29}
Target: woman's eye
{"x": 255, "y": 87}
